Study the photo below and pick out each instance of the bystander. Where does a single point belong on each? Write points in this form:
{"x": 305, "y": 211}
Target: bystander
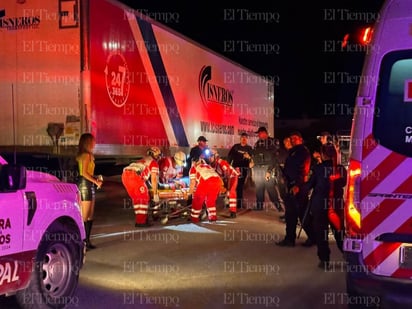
{"x": 201, "y": 150}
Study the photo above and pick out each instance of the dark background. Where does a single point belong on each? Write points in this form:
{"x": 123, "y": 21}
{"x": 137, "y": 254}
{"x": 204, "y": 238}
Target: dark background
{"x": 315, "y": 79}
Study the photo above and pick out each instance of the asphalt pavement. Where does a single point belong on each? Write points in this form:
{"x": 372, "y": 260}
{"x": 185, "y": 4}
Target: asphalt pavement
{"x": 233, "y": 263}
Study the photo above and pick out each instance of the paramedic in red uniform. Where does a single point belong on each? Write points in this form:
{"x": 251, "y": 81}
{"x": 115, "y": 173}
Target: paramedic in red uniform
{"x": 205, "y": 186}
{"x": 229, "y": 176}
{"x": 171, "y": 171}
{"x": 137, "y": 177}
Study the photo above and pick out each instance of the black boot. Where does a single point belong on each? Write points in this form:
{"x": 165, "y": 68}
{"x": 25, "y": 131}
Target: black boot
{"x": 88, "y": 227}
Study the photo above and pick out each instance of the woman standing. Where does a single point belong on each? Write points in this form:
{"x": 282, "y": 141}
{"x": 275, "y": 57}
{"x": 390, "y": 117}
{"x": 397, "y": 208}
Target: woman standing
{"x": 87, "y": 182}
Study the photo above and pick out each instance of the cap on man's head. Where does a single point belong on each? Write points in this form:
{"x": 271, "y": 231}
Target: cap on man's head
{"x": 325, "y": 133}
{"x": 201, "y": 139}
{"x": 297, "y": 133}
{"x": 244, "y": 134}
{"x": 261, "y": 129}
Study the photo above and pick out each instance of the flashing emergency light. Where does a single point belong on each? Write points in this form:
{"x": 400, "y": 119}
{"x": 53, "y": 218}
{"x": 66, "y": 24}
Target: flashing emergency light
{"x": 363, "y": 36}
{"x": 352, "y": 212}
{"x": 366, "y": 35}
{"x": 345, "y": 40}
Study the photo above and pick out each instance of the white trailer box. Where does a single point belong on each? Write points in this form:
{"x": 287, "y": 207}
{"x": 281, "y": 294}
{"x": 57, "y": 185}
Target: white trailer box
{"x": 127, "y": 79}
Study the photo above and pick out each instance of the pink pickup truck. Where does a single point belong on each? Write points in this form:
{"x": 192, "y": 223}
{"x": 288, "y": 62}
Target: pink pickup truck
{"x": 41, "y": 237}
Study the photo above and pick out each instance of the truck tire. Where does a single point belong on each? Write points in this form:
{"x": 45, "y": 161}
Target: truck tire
{"x": 56, "y": 272}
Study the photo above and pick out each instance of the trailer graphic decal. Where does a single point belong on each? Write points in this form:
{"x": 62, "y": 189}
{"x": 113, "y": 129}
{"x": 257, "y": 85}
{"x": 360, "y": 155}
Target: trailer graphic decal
{"x": 124, "y": 109}
{"x": 212, "y": 93}
{"x": 164, "y": 85}
{"x": 123, "y": 76}
{"x": 68, "y": 17}
{"x": 18, "y": 23}
{"x": 117, "y": 79}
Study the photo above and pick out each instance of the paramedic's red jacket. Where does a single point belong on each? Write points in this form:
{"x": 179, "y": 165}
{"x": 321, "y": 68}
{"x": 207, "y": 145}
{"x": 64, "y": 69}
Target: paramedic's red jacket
{"x": 208, "y": 185}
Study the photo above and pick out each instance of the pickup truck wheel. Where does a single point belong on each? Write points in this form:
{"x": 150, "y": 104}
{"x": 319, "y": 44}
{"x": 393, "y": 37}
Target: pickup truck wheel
{"x": 56, "y": 273}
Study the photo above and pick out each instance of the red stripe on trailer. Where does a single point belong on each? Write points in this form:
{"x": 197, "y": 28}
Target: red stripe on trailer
{"x": 382, "y": 171}
{"x": 379, "y": 213}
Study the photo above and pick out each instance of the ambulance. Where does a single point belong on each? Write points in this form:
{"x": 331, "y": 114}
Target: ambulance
{"x": 41, "y": 238}
{"x": 378, "y": 210}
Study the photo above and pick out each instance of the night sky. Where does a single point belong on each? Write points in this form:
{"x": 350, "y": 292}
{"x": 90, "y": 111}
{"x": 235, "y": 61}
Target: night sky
{"x": 299, "y": 47}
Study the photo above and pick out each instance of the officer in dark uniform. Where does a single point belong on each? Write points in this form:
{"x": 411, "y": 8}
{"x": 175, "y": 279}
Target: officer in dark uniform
{"x": 265, "y": 160}
{"x": 296, "y": 173}
{"x": 239, "y": 157}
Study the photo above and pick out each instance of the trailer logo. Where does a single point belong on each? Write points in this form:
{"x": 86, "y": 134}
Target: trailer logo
{"x": 68, "y": 13}
{"x": 117, "y": 78}
{"x": 211, "y": 93}
{"x": 18, "y": 23}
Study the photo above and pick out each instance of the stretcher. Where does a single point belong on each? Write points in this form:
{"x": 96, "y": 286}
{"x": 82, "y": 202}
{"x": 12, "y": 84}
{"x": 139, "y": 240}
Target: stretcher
{"x": 172, "y": 205}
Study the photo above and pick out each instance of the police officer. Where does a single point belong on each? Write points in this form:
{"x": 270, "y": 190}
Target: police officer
{"x": 265, "y": 159}
{"x": 240, "y": 156}
{"x": 296, "y": 173}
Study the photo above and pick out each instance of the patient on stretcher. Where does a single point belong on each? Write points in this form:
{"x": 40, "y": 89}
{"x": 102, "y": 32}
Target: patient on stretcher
{"x": 171, "y": 172}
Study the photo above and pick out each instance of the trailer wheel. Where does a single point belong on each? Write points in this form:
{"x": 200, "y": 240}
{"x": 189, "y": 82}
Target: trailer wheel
{"x": 56, "y": 272}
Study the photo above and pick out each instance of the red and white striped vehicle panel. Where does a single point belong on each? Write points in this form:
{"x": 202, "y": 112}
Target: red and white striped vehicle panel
{"x": 386, "y": 201}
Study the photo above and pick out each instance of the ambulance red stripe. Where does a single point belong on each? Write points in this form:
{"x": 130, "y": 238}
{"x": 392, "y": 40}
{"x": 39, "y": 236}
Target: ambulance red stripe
{"x": 405, "y": 187}
{"x": 377, "y": 256}
{"x": 392, "y": 161}
{"x": 369, "y": 144}
{"x": 402, "y": 273}
{"x": 379, "y": 213}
